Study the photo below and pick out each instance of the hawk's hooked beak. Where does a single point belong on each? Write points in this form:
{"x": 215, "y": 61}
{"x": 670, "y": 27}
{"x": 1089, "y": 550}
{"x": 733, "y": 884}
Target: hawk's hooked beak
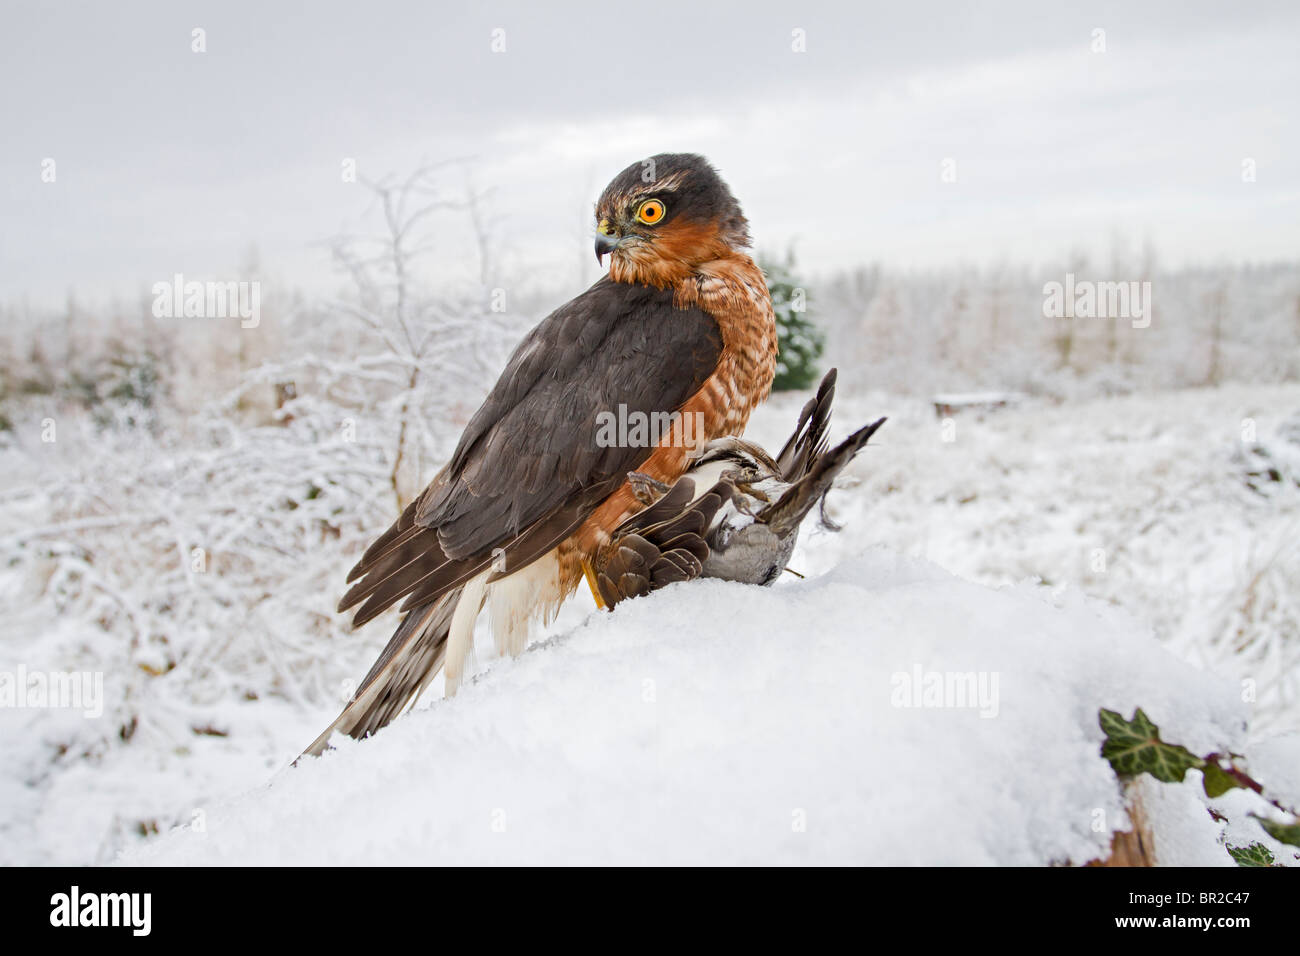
{"x": 605, "y": 244}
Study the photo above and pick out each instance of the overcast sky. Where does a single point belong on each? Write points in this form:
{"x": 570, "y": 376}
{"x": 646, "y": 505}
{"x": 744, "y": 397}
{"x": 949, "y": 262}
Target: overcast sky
{"x": 171, "y": 161}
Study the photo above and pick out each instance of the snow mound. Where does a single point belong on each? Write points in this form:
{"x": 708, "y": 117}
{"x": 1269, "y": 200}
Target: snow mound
{"x": 717, "y": 723}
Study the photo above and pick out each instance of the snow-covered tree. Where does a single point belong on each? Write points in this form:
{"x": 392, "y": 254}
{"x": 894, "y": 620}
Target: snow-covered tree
{"x": 799, "y": 340}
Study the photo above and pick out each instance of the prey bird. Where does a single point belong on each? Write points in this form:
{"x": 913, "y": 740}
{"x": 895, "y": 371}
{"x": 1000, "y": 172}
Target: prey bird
{"x": 734, "y": 515}
{"x": 681, "y": 328}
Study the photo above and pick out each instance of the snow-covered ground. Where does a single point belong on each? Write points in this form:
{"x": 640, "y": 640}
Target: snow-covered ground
{"x": 711, "y": 722}
{"x": 718, "y": 723}
{"x": 1157, "y": 503}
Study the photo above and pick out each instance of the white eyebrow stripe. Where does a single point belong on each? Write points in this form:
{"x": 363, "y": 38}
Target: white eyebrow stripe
{"x": 669, "y": 182}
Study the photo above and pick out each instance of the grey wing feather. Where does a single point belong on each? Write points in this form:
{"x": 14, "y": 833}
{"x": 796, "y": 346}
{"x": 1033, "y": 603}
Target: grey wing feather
{"x": 529, "y": 468}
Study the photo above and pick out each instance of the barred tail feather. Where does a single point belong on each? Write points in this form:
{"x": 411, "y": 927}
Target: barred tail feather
{"x": 408, "y": 664}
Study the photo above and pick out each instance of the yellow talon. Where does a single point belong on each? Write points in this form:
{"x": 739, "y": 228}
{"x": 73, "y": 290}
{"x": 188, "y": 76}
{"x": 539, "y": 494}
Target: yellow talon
{"x": 591, "y": 583}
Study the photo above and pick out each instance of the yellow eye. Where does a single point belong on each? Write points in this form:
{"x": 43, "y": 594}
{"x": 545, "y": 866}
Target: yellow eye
{"x": 651, "y": 211}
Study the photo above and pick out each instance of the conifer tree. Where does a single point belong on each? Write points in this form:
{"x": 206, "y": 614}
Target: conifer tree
{"x": 799, "y": 341}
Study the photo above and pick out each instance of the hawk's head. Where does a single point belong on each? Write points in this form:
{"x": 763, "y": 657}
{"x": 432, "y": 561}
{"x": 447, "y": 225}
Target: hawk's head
{"x": 664, "y": 216}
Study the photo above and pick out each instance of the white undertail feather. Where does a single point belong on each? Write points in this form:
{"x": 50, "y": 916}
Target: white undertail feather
{"x": 515, "y": 600}
{"x": 460, "y": 639}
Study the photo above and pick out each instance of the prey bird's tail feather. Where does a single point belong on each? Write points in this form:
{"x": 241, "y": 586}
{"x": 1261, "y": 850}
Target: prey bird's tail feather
{"x": 808, "y": 441}
{"x": 408, "y": 664}
{"x": 788, "y": 511}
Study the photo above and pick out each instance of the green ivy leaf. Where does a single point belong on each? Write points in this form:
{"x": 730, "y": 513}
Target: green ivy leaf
{"x": 1134, "y": 747}
{"x": 1254, "y": 855}
{"x": 1281, "y": 832}
{"x": 1216, "y": 780}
